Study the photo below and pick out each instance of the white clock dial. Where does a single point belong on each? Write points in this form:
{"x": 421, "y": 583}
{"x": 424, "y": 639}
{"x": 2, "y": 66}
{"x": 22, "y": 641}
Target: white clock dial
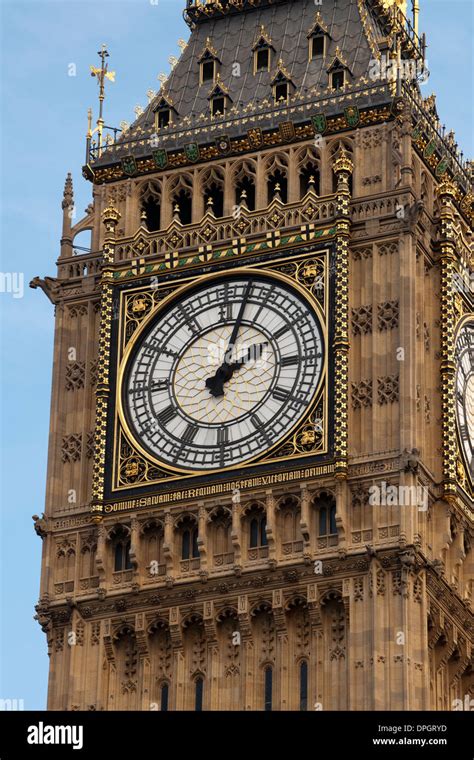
{"x": 224, "y": 373}
{"x": 465, "y": 393}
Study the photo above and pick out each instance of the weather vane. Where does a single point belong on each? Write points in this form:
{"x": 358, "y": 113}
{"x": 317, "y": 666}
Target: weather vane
{"x": 102, "y": 74}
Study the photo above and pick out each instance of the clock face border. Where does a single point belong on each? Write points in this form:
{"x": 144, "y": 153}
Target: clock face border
{"x": 163, "y": 476}
{"x": 467, "y": 320}
{"x": 146, "y": 331}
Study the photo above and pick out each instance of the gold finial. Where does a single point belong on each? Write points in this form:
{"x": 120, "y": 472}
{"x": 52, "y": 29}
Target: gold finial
{"x": 101, "y": 74}
{"x": 110, "y": 216}
{"x": 447, "y": 188}
{"x": 89, "y": 123}
{"x": 150, "y": 95}
{"x": 162, "y": 78}
{"x": 182, "y": 44}
{"x": 172, "y": 60}
{"x": 138, "y": 110}
{"x": 342, "y": 162}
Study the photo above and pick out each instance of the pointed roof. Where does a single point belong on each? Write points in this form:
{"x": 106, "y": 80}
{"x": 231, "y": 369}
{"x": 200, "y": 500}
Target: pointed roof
{"x": 219, "y": 88}
{"x": 262, "y": 39}
{"x": 318, "y": 26}
{"x": 163, "y": 101}
{"x": 234, "y": 34}
{"x": 281, "y": 74}
{"x": 338, "y": 62}
{"x": 68, "y": 194}
{"x": 208, "y": 52}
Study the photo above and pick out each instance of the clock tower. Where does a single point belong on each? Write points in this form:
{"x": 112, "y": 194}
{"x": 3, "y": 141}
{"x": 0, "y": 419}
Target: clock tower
{"x": 261, "y": 454}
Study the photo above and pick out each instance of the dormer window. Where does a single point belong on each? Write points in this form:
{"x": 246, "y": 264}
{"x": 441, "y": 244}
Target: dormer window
{"x": 208, "y": 62}
{"x": 262, "y": 52}
{"x": 262, "y": 60}
{"x": 317, "y": 44}
{"x": 338, "y": 72}
{"x": 281, "y": 92}
{"x": 317, "y": 36}
{"x": 218, "y": 106}
{"x": 282, "y": 84}
{"x": 164, "y": 113}
{"x": 208, "y": 69}
{"x": 337, "y": 79}
{"x": 219, "y": 98}
{"x": 164, "y": 118}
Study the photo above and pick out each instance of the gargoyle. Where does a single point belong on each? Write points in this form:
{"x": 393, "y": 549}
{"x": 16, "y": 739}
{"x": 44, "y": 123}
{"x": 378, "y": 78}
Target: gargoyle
{"x": 412, "y": 459}
{"x": 49, "y": 286}
{"x": 40, "y": 525}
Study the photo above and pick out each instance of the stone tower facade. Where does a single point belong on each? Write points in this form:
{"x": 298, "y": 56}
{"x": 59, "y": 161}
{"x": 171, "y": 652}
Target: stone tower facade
{"x": 332, "y": 568}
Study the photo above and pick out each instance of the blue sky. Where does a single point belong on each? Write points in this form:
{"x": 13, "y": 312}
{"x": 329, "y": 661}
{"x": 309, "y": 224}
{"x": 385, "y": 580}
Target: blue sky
{"x": 43, "y": 124}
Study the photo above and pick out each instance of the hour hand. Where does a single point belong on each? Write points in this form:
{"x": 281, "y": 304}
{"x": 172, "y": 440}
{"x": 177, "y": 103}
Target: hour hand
{"x": 216, "y": 382}
{"x": 226, "y": 370}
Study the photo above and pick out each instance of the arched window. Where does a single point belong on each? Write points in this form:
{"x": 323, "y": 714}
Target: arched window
{"x": 122, "y": 556}
{"x": 199, "y": 693}
{"x": 165, "y": 691}
{"x": 220, "y": 537}
{"x": 310, "y": 178}
{"x": 258, "y": 531}
{"x": 212, "y": 187}
{"x": 268, "y": 689}
{"x": 189, "y": 543}
{"x": 87, "y": 568}
{"x": 326, "y": 506}
{"x": 152, "y": 213}
{"x": 303, "y": 685}
{"x": 182, "y": 206}
{"x": 277, "y": 186}
{"x": 151, "y": 206}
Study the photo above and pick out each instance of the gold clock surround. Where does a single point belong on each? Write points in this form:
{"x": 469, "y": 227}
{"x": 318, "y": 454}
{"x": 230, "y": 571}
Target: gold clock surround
{"x": 133, "y": 466}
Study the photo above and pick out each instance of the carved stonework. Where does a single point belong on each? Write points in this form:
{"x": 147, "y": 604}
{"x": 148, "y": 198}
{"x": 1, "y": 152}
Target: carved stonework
{"x": 71, "y": 448}
{"x": 387, "y": 315}
{"x": 387, "y": 249}
{"x": 75, "y": 373}
{"x": 361, "y": 394}
{"x": 361, "y": 320}
{"x": 387, "y": 389}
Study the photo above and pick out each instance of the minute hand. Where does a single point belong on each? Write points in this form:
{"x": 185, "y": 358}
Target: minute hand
{"x": 238, "y": 322}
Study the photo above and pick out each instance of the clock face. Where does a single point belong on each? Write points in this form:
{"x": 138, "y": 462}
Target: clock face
{"x": 224, "y": 373}
{"x": 465, "y": 393}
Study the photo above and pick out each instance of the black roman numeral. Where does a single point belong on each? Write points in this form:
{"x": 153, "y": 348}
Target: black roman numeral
{"x": 167, "y": 414}
{"x": 222, "y": 436}
{"x": 190, "y": 433}
{"x": 280, "y": 394}
{"x": 288, "y": 361}
{"x": 281, "y": 331}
